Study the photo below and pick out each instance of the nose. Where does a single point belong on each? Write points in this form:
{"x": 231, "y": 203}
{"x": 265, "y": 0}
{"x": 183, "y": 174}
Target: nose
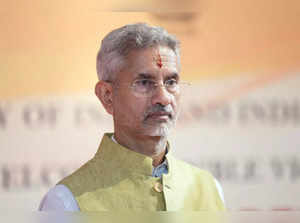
{"x": 161, "y": 96}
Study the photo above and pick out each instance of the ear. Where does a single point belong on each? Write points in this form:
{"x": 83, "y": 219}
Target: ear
{"x": 103, "y": 90}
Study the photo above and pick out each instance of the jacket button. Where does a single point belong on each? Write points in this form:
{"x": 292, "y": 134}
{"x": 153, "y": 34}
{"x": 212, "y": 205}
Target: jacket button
{"x": 158, "y": 187}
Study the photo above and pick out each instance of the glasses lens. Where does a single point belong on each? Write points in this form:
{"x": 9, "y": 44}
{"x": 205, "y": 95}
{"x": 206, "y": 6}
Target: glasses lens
{"x": 172, "y": 86}
{"x": 146, "y": 87}
{"x": 143, "y": 86}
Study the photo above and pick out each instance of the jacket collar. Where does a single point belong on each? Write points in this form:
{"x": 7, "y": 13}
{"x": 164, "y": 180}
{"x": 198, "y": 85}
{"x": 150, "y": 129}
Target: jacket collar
{"x": 117, "y": 156}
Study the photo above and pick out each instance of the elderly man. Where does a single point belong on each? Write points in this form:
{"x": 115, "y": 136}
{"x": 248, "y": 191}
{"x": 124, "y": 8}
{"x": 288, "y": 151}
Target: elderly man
{"x": 139, "y": 85}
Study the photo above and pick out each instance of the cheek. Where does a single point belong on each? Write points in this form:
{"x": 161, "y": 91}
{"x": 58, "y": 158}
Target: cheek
{"x": 136, "y": 109}
{"x": 128, "y": 107}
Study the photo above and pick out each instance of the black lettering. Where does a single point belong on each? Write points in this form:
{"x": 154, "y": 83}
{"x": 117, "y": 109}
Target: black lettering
{"x": 216, "y": 168}
{"x": 295, "y": 112}
{"x": 294, "y": 169}
{"x": 51, "y": 115}
{"x": 250, "y": 170}
{"x": 6, "y": 178}
{"x": 277, "y": 168}
{"x": 45, "y": 177}
{"x": 39, "y": 116}
{"x": 3, "y": 117}
{"x": 279, "y": 112}
{"x": 26, "y": 176}
{"x": 251, "y": 111}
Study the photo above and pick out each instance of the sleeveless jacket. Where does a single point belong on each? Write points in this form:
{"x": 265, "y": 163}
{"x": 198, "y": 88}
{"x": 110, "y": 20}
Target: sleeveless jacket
{"x": 117, "y": 178}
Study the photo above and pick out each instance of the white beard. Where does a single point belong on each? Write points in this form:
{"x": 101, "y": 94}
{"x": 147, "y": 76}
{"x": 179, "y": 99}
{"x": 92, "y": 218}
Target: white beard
{"x": 160, "y": 131}
{"x": 164, "y": 129}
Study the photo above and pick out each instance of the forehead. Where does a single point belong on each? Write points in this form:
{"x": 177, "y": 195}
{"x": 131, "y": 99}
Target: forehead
{"x": 155, "y": 61}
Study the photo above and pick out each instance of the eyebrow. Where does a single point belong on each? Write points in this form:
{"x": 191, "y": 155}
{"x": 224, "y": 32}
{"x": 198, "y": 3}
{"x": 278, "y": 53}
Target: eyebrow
{"x": 145, "y": 76}
{"x": 149, "y": 76}
{"x": 173, "y": 75}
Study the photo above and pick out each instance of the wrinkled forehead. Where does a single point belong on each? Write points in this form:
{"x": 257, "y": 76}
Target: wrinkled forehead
{"x": 153, "y": 60}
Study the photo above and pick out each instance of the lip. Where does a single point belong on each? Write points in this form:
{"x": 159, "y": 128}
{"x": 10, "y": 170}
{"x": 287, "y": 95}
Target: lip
{"x": 163, "y": 116}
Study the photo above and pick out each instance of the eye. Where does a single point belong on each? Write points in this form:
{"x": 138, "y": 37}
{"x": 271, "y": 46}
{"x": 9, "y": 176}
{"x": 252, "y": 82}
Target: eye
{"x": 144, "y": 83}
{"x": 171, "y": 82}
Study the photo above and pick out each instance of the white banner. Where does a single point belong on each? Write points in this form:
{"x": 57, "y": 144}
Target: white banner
{"x": 244, "y": 129}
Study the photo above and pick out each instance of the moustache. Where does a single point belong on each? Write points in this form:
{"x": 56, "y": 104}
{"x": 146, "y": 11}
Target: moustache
{"x": 159, "y": 109}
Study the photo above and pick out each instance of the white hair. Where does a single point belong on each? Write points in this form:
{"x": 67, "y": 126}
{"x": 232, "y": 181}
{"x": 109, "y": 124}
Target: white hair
{"x": 119, "y": 42}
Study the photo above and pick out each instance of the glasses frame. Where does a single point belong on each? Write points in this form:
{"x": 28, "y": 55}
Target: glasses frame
{"x": 157, "y": 84}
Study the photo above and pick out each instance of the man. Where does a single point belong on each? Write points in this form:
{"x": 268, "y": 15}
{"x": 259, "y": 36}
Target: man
{"x": 139, "y": 85}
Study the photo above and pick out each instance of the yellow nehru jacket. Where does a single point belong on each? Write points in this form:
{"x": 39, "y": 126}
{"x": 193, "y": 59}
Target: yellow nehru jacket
{"x": 117, "y": 178}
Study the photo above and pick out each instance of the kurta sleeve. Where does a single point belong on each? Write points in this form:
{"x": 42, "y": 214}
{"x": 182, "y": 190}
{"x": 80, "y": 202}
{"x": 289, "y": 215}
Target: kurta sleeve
{"x": 59, "y": 198}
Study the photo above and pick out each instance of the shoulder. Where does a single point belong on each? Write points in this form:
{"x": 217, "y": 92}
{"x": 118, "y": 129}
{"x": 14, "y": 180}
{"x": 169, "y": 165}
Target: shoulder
{"x": 59, "y": 198}
{"x": 81, "y": 177}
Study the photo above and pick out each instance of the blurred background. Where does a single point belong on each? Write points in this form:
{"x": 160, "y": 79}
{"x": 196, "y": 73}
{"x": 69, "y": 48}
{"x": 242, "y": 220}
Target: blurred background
{"x": 240, "y": 117}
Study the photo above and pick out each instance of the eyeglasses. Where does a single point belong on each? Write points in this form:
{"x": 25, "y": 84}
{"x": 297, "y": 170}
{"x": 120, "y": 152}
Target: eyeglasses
{"x": 147, "y": 87}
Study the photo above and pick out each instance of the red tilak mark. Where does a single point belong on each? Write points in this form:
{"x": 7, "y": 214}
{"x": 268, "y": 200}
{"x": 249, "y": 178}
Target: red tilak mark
{"x": 159, "y": 62}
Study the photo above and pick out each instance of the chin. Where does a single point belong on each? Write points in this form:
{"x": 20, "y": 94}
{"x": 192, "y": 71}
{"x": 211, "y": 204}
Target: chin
{"x": 161, "y": 131}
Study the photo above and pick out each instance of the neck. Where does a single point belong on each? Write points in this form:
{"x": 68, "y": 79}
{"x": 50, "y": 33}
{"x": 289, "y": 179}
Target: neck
{"x": 152, "y": 146}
